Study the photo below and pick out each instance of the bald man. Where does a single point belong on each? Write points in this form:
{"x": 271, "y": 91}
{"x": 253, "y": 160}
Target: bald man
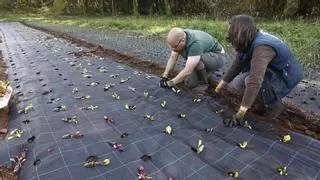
{"x": 203, "y": 54}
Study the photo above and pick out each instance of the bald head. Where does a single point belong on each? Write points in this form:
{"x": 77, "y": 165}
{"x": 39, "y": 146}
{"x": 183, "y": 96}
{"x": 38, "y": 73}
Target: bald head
{"x": 176, "y": 39}
{"x": 175, "y": 34}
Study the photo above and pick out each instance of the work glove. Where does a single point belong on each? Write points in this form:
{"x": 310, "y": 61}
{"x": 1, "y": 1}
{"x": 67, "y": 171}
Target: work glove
{"x": 236, "y": 119}
{"x": 164, "y": 82}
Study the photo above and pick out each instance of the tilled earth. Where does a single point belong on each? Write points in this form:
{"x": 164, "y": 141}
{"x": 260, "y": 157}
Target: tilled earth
{"x": 45, "y": 72}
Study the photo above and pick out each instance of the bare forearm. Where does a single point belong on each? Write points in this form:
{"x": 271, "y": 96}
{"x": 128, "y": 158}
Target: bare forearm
{"x": 170, "y": 64}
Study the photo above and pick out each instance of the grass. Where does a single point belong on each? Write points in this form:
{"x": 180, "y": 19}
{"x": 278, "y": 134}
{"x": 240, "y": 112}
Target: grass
{"x": 303, "y": 37}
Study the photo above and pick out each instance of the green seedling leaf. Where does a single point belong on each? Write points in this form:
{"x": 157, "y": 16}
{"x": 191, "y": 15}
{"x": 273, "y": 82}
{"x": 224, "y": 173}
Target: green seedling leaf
{"x": 175, "y": 90}
{"x": 84, "y": 97}
{"x": 149, "y": 77}
{"x": 75, "y": 89}
{"x": 219, "y": 111}
{"x": 87, "y": 76}
{"x": 164, "y": 104}
{"x": 16, "y": 133}
{"x": 182, "y": 115}
{"x": 124, "y": 80}
{"x": 106, "y": 162}
{"x": 91, "y": 107}
{"x": 114, "y": 75}
{"x": 73, "y": 119}
{"x": 282, "y": 171}
{"x": 247, "y": 125}
{"x": 130, "y": 107}
{"x": 132, "y": 88}
{"x": 196, "y": 100}
{"x": 285, "y": 138}
{"x": 243, "y": 145}
{"x": 115, "y": 96}
{"x": 234, "y": 174}
{"x": 26, "y": 109}
{"x": 60, "y": 108}
{"x": 200, "y": 147}
{"x": 146, "y": 94}
{"x": 149, "y": 117}
{"x": 168, "y": 130}
{"x": 93, "y": 84}
{"x": 108, "y": 86}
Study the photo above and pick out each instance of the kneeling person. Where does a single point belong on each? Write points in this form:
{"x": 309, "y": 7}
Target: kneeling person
{"x": 203, "y": 55}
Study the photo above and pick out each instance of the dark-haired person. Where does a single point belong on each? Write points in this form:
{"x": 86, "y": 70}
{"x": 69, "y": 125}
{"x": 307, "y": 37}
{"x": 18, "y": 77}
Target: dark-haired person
{"x": 264, "y": 67}
{"x": 203, "y": 55}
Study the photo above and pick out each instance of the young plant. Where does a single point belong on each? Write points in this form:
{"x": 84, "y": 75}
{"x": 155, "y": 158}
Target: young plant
{"x": 115, "y": 96}
{"x": 164, "y": 104}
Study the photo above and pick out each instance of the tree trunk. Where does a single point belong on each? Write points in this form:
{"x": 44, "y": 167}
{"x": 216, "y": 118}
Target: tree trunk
{"x": 167, "y": 7}
{"x": 135, "y": 8}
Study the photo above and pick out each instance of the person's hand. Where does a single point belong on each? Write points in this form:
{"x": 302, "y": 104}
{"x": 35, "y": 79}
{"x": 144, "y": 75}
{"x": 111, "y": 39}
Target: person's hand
{"x": 221, "y": 85}
{"x": 237, "y": 119}
{"x": 164, "y": 82}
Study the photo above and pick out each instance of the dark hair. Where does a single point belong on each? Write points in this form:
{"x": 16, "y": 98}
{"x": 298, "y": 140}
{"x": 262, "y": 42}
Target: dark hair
{"x": 242, "y": 32}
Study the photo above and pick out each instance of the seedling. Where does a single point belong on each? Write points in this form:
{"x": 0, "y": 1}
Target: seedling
{"x": 175, "y": 90}
{"x": 209, "y": 130}
{"x": 285, "y": 138}
{"x": 17, "y": 161}
{"x": 149, "y": 117}
{"x": 142, "y": 175}
{"x": 108, "y": 120}
{"x": 132, "y": 88}
{"x": 115, "y": 96}
{"x": 149, "y": 77}
{"x": 116, "y": 146}
{"x": 75, "y": 135}
{"x": 124, "y": 135}
{"x": 87, "y": 76}
{"x": 247, "y": 125}
{"x": 282, "y": 171}
{"x": 182, "y": 115}
{"x": 168, "y": 130}
{"x": 53, "y": 100}
{"x": 26, "y": 109}
{"x": 164, "y": 104}
{"x": 73, "y": 119}
{"x": 102, "y": 70}
{"x": 114, "y": 75}
{"x": 108, "y": 86}
{"x": 196, "y": 100}
{"x": 93, "y": 161}
{"x": 219, "y": 111}
{"x": 16, "y": 133}
{"x": 243, "y": 145}
{"x": 146, "y": 94}
{"x": 84, "y": 97}
{"x": 91, "y": 107}
{"x": 93, "y": 84}
{"x": 234, "y": 174}
{"x": 130, "y": 107}
{"x": 123, "y": 80}
{"x": 200, "y": 146}
{"x": 75, "y": 89}
{"x": 60, "y": 108}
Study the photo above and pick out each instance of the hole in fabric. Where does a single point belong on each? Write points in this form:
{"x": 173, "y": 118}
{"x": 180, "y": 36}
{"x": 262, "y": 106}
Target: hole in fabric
{"x": 16, "y": 79}
{"x": 40, "y": 80}
{"x": 65, "y": 79}
{"x": 43, "y": 85}
{"x": 30, "y": 140}
{"x": 18, "y": 86}
{"x": 60, "y": 74}
{"x": 56, "y": 69}
{"x": 27, "y": 121}
{"x": 38, "y": 72}
{"x": 37, "y": 162}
